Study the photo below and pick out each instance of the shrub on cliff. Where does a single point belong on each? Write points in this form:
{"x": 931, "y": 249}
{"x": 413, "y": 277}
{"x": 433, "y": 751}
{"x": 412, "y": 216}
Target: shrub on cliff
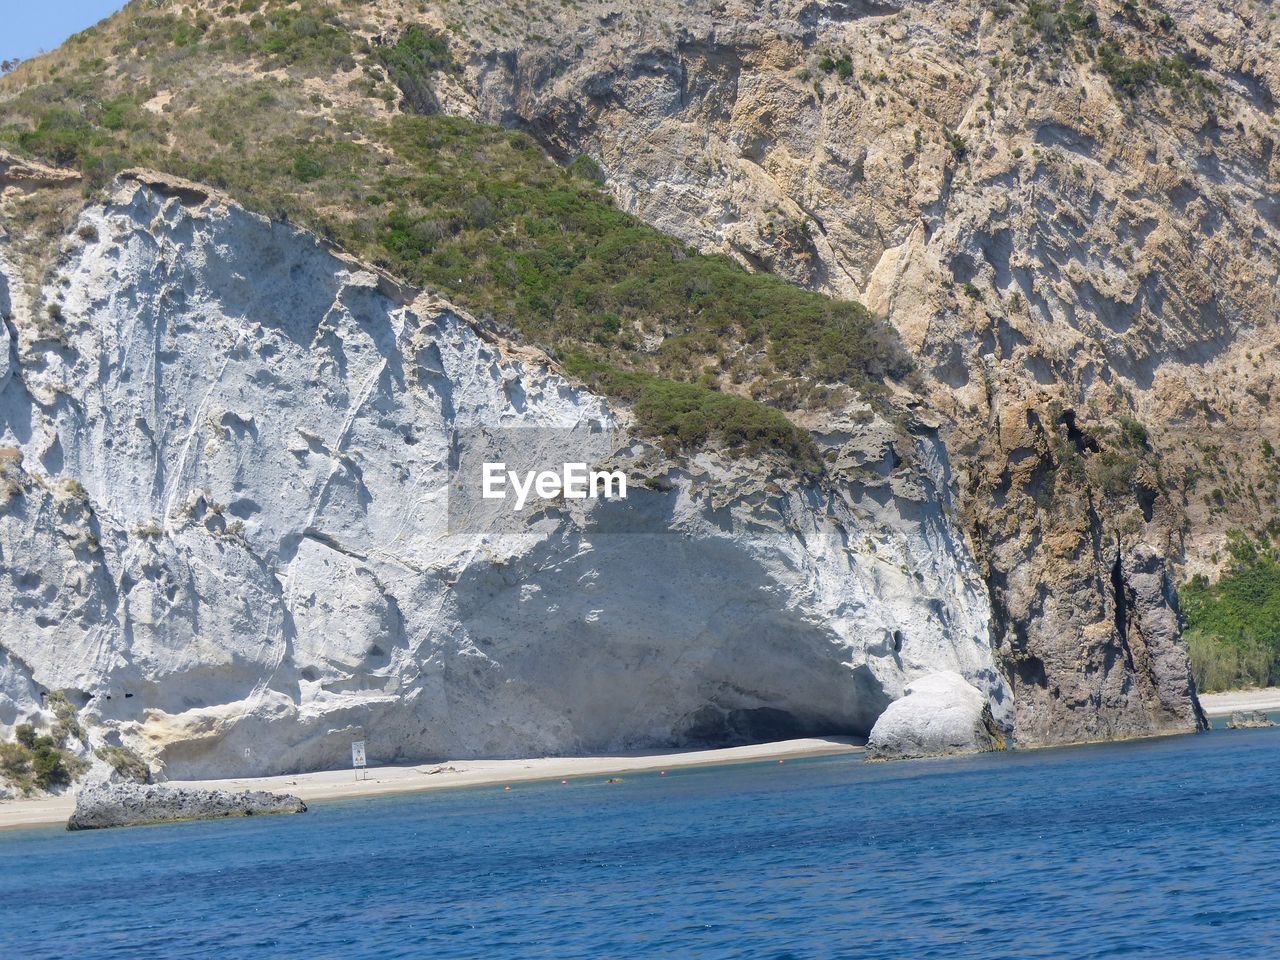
{"x": 479, "y": 213}
{"x": 42, "y": 761}
{"x": 689, "y": 415}
{"x": 126, "y": 762}
{"x": 15, "y": 765}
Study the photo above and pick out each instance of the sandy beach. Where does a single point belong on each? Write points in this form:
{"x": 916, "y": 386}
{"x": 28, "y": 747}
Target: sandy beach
{"x": 1222, "y": 704}
{"x": 377, "y": 781}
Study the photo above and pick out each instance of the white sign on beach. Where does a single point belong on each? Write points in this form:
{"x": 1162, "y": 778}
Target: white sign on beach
{"x": 357, "y": 753}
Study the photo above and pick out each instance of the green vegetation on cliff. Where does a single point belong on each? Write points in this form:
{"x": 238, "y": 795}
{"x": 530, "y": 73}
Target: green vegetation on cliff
{"x": 1154, "y": 55}
{"x": 43, "y": 761}
{"x": 1233, "y": 625}
{"x": 476, "y": 212}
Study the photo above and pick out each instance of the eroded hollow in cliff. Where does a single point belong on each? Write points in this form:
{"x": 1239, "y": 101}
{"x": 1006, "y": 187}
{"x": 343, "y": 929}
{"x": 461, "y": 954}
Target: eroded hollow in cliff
{"x": 1081, "y": 440}
{"x": 1121, "y": 600}
{"x": 1146, "y": 500}
{"x": 713, "y": 726}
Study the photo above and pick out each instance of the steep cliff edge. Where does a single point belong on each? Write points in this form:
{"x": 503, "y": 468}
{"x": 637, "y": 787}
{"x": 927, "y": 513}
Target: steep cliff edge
{"x": 1065, "y": 208}
{"x": 225, "y": 529}
{"x": 1026, "y": 191}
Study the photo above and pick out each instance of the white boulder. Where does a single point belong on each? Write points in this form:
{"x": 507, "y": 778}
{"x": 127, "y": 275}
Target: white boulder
{"x": 941, "y": 714}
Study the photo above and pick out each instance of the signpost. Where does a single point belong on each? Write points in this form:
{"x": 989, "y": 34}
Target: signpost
{"x": 357, "y": 757}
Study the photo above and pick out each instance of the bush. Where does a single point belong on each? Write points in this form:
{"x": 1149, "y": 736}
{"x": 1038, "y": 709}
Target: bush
{"x": 66, "y": 723}
{"x": 25, "y": 734}
{"x": 1113, "y": 472}
{"x": 307, "y": 168}
{"x": 126, "y": 762}
{"x": 1057, "y": 23}
{"x": 48, "y": 765}
{"x": 586, "y": 168}
{"x": 311, "y": 37}
{"x": 841, "y": 65}
{"x": 1217, "y": 665}
{"x": 1133, "y": 434}
{"x": 1233, "y": 626}
{"x": 688, "y": 415}
{"x": 1128, "y": 75}
{"x": 42, "y": 764}
{"x": 412, "y": 63}
{"x": 15, "y": 764}
{"x": 478, "y": 213}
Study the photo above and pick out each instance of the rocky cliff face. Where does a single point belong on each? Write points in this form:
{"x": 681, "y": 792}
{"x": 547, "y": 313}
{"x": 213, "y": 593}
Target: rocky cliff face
{"x": 1066, "y": 209}
{"x": 224, "y": 528}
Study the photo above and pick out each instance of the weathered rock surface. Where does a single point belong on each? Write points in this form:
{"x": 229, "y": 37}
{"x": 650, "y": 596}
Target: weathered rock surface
{"x": 941, "y": 714}
{"x": 1249, "y": 720}
{"x": 133, "y": 804}
{"x": 1059, "y": 254}
{"x": 19, "y": 174}
{"x": 225, "y": 530}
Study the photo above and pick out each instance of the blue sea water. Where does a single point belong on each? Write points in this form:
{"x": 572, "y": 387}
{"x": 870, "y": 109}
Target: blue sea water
{"x": 1167, "y": 848}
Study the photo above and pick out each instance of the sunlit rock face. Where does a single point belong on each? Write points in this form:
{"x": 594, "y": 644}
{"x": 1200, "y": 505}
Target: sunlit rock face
{"x": 1058, "y": 251}
{"x": 940, "y": 715}
{"x": 224, "y": 529}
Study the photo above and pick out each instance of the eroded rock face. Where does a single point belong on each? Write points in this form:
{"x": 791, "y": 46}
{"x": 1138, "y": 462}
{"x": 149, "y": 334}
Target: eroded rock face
{"x": 134, "y": 804}
{"x": 1058, "y": 253}
{"x": 940, "y": 715}
{"x": 225, "y": 530}
{"x": 1249, "y": 720}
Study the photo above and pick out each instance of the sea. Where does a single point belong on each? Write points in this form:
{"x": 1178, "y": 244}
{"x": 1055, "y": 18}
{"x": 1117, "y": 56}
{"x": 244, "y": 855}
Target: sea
{"x": 1165, "y": 848}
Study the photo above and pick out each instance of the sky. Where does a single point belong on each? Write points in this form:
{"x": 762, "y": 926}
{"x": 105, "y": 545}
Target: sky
{"x": 27, "y": 27}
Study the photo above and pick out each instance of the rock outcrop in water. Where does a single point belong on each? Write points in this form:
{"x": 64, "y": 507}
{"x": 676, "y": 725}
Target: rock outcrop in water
{"x": 1249, "y": 720}
{"x": 225, "y": 529}
{"x": 133, "y": 804}
{"x": 941, "y": 714}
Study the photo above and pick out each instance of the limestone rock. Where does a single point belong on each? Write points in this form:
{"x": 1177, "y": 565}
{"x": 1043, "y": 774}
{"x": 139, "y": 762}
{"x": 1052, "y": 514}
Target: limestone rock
{"x": 941, "y": 714}
{"x": 228, "y": 532}
{"x": 1249, "y": 720}
{"x": 1056, "y": 252}
{"x": 133, "y": 804}
{"x": 22, "y": 174}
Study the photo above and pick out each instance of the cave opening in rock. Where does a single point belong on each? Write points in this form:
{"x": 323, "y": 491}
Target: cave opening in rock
{"x": 1081, "y": 440}
{"x": 714, "y": 726}
{"x": 1146, "y": 501}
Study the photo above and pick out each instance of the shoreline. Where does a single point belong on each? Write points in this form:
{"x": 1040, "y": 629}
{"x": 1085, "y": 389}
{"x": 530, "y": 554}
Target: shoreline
{"x": 450, "y": 774}
{"x": 1266, "y": 699}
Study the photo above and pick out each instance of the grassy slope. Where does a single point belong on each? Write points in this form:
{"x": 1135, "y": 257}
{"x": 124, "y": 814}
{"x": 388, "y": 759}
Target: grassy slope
{"x": 290, "y": 110}
{"x": 1233, "y": 625}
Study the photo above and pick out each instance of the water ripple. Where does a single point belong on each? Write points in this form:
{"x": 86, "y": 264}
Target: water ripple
{"x": 1155, "y": 849}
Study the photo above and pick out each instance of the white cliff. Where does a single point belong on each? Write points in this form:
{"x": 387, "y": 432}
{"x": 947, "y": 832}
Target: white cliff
{"x": 224, "y": 470}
